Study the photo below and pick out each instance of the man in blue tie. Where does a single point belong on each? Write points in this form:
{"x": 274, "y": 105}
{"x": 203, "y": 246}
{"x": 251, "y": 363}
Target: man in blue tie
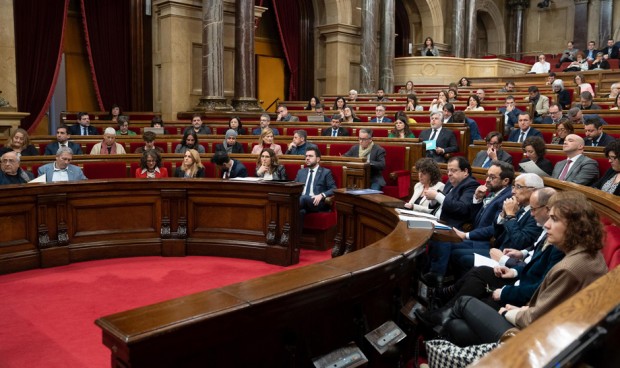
{"x": 336, "y": 130}
{"x": 494, "y": 151}
{"x": 83, "y": 127}
{"x": 525, "y": 129}
{"x": 318, "y": 183}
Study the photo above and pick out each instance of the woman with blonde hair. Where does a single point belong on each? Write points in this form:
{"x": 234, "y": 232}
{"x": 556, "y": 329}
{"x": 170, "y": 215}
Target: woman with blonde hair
{"x": 266, "y": 141}
{"x": 191, "y": 167}
{"x": 19, "y": 142}
{"x": 267, "y": 166}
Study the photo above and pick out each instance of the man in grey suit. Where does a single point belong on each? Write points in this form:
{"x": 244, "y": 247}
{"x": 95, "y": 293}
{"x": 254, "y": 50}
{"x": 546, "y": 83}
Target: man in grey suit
{"x": 494, "y": 151}
{"x": 374, "y": 154}
{"x": 577, "y": 168}
{"x": 61, "y": 169}
{"x": 445, "y": 141}
{"x": 318, "y": 182}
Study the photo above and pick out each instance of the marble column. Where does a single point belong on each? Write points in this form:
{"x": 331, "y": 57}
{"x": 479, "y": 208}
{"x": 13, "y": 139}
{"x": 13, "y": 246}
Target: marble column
{"x": 604, "y": 26}
{"x": 341, "y": 42}
{"x": 580, "y": 27}
{"x": 458, "y": 36}
{"x": 245, "y": 74}
{"x": 472, "y": 29}
{"x": 8, "y": 71}
{"x": 386, "y": 59}
{"x": 518, "y": 8}
{"x": 213, "y": 57}
{"x": 369, "y": 47}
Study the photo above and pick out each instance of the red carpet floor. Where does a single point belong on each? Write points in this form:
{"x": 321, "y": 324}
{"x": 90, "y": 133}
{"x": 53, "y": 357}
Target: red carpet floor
{"x": 47, "y": 315}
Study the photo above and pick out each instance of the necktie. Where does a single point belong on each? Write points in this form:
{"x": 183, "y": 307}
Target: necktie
{"x": 565, "y": 170}
{"x": 594, "y": 143}
{"x": 226, "y": 174}
{"x": 487, "y": 200}
{"x": 433, "y": 135}
{"x": 334, "y": 132}
{"x": 84, "y": 131}
{"x": 487, "y": 163}
{"x": 521, "y": 136}
{"x": 309, "y": 183}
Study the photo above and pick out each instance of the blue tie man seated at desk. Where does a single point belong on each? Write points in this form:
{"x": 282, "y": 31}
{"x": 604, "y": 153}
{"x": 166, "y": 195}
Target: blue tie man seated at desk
{"x": 61, "y": 169}
{"x": 83, "y": 127}
{"x": 318, "y": 182}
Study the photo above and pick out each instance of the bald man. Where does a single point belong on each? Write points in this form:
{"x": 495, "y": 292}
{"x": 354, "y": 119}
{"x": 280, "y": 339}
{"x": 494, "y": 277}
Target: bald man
{"x": 577, "y": 168}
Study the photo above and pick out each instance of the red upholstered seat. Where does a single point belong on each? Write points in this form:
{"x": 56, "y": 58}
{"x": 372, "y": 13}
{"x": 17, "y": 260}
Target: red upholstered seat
{"x": 486, "y": 124}
{"x": 339, "y": 149}
{"x": 611, "y": 250}
{"x": 105, "y": 170}
{"x": 397, "y": 177}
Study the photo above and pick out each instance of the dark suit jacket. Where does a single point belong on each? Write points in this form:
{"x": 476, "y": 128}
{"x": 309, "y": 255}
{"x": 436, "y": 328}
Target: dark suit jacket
{"x": 377, "y": 162}
{"x": 517, "y": 233}
{"x": 76, "y": 129}
{"x": 584, "y": 171}
{"x": 52, "y": 148}
{"x": 482, "y": 156}
{"x": 323, "y": 182}
{"x": 258, "y": 131}
{"x": 531, "y": 274}
{"x": 484, "y": 217}
{"x": 445, "y": 140}
{"x": 513, "y": 116}
{"x": 237, "y": 148}
{"x": 385, "y": 120}
{"x": 238, "y": 170}
{"x": 457, "y": 204}
{"x": 563, "y": 98}
{"x": 613, "y": 54}
{"x": 342, "y": 132}
{"x": 608, "y": 175}
{"x": 532, "y": 132}
{"x": 603, "y": 141}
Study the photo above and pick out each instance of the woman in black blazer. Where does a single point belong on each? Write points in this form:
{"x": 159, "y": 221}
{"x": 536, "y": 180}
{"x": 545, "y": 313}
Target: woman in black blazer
{"x": 610, "y": 182}
{"x": 534, "y": 150}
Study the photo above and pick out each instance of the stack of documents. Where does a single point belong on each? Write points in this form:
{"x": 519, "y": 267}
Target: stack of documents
{"x": 406, "y": 215}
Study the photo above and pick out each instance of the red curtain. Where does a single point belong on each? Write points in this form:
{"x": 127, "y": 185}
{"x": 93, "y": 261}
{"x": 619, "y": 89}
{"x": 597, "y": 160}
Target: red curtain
{"x": 287, "y": 16}
{"x": 39, "y": 32}
{"x": 107, "y": 32}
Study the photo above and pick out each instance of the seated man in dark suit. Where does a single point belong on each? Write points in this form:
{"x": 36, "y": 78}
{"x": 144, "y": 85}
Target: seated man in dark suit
{"x": 11, "y": 172}
{"x": 585, "y": 102}
{"x": 611, "y": 50}
{"x": 265, "y": 120}
{"x": 374, "y": 154}
{"x": 577, "y": 168}
{"x": 440, "y": 141}
{"x": 555, "y": 114}
{"x": 595, "y": 136}
{"x": 494, "y": 151}
{"x": 380, "y": 115}
{"x": 510, "y": 114}
{"x": 482, "y": 207}
{"x": 336, "y": 130}
{"x": 83, "y": 127}
{"x": 62, "y": 140}
{"x": 300, "y": 143}
{"x": 197, "y": 126}
{"x": 230, "y": 168}
{"x": 318, "y": 182}
{"x": 525, "y": 129}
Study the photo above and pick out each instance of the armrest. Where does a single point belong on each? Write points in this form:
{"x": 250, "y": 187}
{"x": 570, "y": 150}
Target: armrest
{"x": 398, "y": 173}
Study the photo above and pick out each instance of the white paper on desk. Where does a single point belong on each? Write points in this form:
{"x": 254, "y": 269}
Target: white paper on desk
{"x": 437, "y": 225}
{"x": 416, "y": 213}
{"x": 484, "y": 261}
{"x": 249, "y": 178}
{"x": 531, "y": 167}
{"x": 40, "y": 179}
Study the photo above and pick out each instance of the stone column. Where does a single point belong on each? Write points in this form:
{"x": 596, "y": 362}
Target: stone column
{"x": 8, "y": 71}
{"x": 245, "y": 74}
{"x": 458, "y": 36}
{"x": 472, "y": 28}
{"x": 518, "y": 7}
{"x": 580, "y": 27}
{"x": 368, "y": 64}
{"x": 386, "y": 62}
{"x": 213, "y": 57}
{"x": 605, "y": 31}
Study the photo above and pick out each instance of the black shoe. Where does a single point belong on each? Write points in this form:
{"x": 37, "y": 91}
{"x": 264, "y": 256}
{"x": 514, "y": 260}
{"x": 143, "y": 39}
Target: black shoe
{"x": 432, "y": 279}
{"x": 435, "y": 318}
{"x": 337, "y": 250}
{"x": 444, "y": 294}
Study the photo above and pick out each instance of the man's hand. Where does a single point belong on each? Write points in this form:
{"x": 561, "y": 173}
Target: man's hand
{"x": 316, "y": 199}
{"x": 513, "y": 253}
{"x": 439, "y": 150}
{"x": 481, "y": 192}
{"x": 408, "y": 205}
{"x": 497, "y": 293}
{"x": 503, "y": 272}
{"x": 292, "y": 145}
{"x": 511, "y": 207}
{"x": 459, "y": 233}
{"x": 492, "y": 153}
{"x": 496, "y": 254}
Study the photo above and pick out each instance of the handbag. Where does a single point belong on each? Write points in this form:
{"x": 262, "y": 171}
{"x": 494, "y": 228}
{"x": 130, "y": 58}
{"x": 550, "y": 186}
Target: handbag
{"x": 444, "y": 354}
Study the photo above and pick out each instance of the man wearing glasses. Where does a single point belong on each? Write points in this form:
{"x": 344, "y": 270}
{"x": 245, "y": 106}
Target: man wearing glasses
{"x": 494, "y": 151}
{"x": 284, "y": 115}
{"x": 11, "y": 172}
{"x": 374, "y": 155}
{"x": 380, "y": 115}
{"x": 265, "y": 120}
{"x": 555, "y": 114}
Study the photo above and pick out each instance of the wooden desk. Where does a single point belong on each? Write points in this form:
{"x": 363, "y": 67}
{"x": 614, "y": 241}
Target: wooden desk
{"x": 46, "y": 225}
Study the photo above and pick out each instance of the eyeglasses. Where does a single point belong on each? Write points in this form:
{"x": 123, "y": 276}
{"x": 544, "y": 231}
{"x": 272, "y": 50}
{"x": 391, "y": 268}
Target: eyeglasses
{"x": 364, "y": 139}
{"x": 537, "y": 208}
{"x": 611, "y": 158}
{"x": 492, "y": 143}
{"x": 519, "y": 187}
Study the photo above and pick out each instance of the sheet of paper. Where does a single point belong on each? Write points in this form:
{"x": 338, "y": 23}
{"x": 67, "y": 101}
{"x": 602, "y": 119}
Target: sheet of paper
{"x": 416, "y": 213}
{"x": 437, "y": 225}
{"x": 531, "y": 167}
{"x": 249, "y": 178}
{"x": 40, "y": 179}
{"x": 484, "y": 261}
